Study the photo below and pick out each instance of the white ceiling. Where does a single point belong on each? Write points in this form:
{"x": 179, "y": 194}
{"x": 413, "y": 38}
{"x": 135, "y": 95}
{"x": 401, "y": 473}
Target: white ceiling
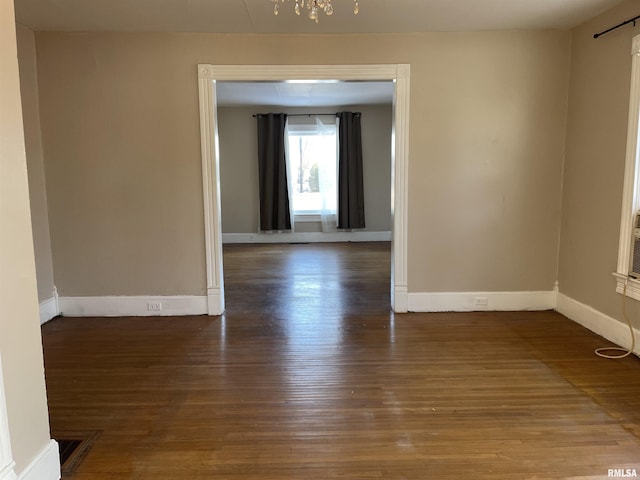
{"x": 304, "y": 93}
{"x": 255, "y": 16}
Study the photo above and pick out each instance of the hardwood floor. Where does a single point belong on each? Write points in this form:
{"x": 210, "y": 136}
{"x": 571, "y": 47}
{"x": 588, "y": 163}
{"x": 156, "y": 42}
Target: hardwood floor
{"x": 310, "y": 376}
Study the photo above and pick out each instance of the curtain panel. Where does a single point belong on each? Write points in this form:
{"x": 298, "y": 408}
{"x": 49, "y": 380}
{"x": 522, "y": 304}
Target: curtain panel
{"x": 350, "y": 172}
{"x": 275, "y": 210}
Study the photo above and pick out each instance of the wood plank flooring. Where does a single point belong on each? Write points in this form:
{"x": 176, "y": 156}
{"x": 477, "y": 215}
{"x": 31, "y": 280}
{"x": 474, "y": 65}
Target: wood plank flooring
{"x": 310, "y": 376}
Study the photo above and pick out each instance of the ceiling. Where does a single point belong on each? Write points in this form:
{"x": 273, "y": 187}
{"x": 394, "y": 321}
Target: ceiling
{"x": 304, "y": 93}
{"x": 256, "y": 16}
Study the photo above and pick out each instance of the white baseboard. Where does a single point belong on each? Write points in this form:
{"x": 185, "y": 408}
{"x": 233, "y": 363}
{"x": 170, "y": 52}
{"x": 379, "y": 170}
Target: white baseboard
{"x": 598, "y": 322}
{"x": 7, "y": 472}
{"x": 45, "y": 466}
{"x": 49, "y": 309}
{"x": 480, "y": 301}
{"x": 134, "y": 306}
{"x": 306, "y": 237}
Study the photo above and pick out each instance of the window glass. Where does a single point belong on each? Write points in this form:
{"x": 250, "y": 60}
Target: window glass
{"x": 312, "y": 167}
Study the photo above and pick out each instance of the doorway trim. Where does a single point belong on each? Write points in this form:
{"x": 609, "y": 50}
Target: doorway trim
{"x": 208, "y": 75}
{"x": 7, "y": 471}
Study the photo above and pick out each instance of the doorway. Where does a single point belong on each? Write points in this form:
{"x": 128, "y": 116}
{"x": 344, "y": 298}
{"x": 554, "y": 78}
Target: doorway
{"x": 208, "y": 75}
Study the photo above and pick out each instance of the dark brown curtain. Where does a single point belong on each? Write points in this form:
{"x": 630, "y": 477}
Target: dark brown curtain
{"x": 350, "y": 178}
{"x": 272, "y": 173}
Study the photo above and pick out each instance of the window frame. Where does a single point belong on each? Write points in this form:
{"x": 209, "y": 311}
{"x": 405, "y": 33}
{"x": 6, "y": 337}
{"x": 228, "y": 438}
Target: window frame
{"x": 631, "y": 186}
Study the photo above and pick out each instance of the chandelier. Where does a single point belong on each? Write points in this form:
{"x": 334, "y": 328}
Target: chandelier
{"x": 315, "y": 7}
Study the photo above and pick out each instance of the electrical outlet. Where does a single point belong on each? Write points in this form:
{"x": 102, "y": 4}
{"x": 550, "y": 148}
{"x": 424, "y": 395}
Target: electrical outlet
{"x": 481, "y": 302}
{"x": 154, "y": 306}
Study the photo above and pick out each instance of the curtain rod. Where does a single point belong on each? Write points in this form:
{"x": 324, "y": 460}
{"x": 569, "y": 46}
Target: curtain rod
{"x": 305, "y": 114}
{"x": 631, "y": 20}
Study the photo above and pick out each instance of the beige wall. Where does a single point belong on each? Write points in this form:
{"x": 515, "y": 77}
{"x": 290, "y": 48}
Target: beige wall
{"x": 595, "y": 156}
{"x": 20, "y": 343}
{"x": 239, "y": 165}
{"x": 121, "y": 142}
{"x": 487, "y": 139}
{"x": 35, "y": 166}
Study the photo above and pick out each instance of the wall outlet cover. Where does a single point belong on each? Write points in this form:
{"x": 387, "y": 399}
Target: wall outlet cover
{"x": 481, "y": 301}
{"x": 154, "y": 306}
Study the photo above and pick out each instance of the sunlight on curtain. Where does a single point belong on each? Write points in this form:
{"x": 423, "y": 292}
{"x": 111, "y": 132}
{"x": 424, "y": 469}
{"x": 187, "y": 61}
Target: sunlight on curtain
{"x": 290, "y": 189}
{"x": 312, "y": 162}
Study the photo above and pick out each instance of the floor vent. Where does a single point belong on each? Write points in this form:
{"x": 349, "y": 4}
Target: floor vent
{"x": 73, "y": 448}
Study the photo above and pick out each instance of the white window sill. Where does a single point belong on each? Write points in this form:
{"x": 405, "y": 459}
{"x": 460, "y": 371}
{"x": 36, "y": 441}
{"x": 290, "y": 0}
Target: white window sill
{"x": 633, "y": 285}
{"x": 307, "y": 217}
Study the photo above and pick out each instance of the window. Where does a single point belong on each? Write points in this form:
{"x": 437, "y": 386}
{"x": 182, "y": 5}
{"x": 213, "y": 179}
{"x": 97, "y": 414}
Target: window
{"x": 631, "y": 189}
{"x": 312, "y": 163}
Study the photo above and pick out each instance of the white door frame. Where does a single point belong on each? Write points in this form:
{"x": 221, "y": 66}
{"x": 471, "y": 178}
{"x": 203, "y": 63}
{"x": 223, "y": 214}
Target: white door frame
{"x": 7, "y": 471}
{"x": 208, "y": 75}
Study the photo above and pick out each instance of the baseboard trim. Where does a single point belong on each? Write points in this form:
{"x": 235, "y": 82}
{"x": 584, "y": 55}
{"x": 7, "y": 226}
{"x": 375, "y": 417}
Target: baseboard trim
{"x": 133, "y": 306}
{"x": 480, "y": 301}
{"x": 49, "y": 309}
{"x": 306, "y": 237}
{"x": 7, "y": 472}
{"x": 45, "y": 466}
{"x": 598, "y": 322}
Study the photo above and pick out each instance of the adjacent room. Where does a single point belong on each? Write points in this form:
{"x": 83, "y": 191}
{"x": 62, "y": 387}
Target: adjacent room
{"x": 335, "y": 239}
{"x": 312, "y": 112}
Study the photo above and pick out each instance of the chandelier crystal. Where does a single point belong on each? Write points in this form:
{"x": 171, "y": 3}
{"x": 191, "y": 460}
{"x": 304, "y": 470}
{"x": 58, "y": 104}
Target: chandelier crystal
{"x": 314, "y": 7}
